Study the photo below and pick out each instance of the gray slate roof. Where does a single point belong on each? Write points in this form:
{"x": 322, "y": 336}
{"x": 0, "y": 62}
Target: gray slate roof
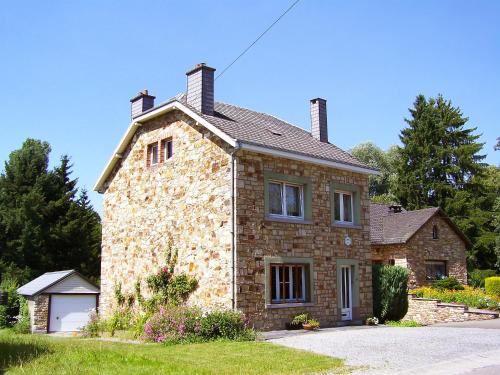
{"x": 387, "y": 227}
{"x": 261, "y": 129}
{"x": 43, "y": 282}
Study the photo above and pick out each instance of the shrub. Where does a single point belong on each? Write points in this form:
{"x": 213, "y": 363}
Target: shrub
{"x": 180, "y": 287}
{"x": 476, "y": 277}
{"x": 300, "y": 319}
{"x": 492, "y": 286}
{"x": 372, "y": 321}
{"x": 187, "y": 324}
{"x": 448, "y": 283}
{"x": 471, "y": 297}
{"x": 402, "y": 323}
{"x": 10, "y": 310}
{"x": 225, "y": 325}
{"x": 93, "y": 327}
{"x": 23, "y": 321}
{"x": 313, "y": 323}
{"x": 390, "y": 292}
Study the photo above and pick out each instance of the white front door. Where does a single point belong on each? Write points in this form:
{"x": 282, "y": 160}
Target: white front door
{"x": 70, "y": 312}
{"x": 346, "y": 292}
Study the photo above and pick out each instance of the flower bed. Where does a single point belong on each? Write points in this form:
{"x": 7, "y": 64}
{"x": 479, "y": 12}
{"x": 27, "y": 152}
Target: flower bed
{"x": 475, "y": 298}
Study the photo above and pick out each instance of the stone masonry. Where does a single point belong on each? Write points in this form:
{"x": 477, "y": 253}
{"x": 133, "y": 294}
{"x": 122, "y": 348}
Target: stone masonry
{"x": 431, "y": 311}
{"x": 421, "y": 247}
{"x": 258, "y": 238}
{"x": 185, "y": 200}
{"x": 39, "y": 313}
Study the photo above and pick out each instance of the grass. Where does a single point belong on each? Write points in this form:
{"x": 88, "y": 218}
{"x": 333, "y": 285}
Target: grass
{"x": 405, "y": 323}
{"x": 471, "y": 297}
{"x": 29, "y": 354}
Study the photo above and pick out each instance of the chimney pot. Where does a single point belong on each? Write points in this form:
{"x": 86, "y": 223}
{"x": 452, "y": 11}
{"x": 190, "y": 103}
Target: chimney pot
{"x": 319, "y": 124}
{"x": 200, "y": 88}
{"x": 141, "y": 103}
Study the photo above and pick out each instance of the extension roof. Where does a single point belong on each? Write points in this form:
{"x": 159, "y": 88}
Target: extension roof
{"x": 387, "y": 227}
{"x": 251, "y": 130}
{"x": 47, "y": 280}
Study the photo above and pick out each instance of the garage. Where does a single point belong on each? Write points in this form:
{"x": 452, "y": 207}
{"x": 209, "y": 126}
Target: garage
{"x": 60, "y": 301}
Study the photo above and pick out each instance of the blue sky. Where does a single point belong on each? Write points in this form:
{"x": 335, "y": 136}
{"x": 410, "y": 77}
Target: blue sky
{"x": 68, "y": 68}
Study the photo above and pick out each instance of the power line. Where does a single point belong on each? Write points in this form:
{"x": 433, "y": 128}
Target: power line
{"x": 258, "y": 38}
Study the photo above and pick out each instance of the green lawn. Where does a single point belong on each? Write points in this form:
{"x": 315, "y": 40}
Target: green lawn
{"x": 29, "y": 354}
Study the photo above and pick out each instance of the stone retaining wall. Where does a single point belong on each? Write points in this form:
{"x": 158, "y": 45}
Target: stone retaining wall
{"x": 431, "y": 311}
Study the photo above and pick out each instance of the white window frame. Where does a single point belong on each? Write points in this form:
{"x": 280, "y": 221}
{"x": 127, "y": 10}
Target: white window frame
{"x": 283, "y": 200}
{"x": 277, "y": 285}
{"x": 166, "y": 142}
{"x": 341, "y": 206}
{"x": 151, "y": 147}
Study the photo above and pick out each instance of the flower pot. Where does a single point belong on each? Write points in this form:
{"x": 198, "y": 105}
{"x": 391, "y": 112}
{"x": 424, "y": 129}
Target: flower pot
{"x": 308, "y": 327}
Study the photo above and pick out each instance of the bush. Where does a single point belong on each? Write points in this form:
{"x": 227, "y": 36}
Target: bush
{"x": 23, "y": 323}
{"x": 225, "y": 325}
{"x": 10, "y": 311}
{"x": 471, "y": 297}
{"x": 94, "y": 327}
{"x": 448, "y": 283}
{"x": 173, "y": 324}
{"x": 492, "y": 286}
{"x": 403, "y": 323}
{"x": 476, "y": 277}
{"x": 390, "y": 292}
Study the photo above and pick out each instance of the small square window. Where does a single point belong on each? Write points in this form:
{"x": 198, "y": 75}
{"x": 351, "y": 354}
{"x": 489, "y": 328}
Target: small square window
{"x": 343, "y": 205}
{"x": 435, "y": 269}
{"x": 289, "y": 283}
{"x": 286, "y": 199}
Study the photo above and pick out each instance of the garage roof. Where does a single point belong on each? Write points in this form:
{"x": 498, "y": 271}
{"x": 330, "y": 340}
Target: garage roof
{"x": 47, "y": 280}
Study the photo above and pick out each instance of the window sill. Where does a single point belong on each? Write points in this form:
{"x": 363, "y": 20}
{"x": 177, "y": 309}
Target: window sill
{"x": 288, "y": 220}
{"x": 345, "y": 225}
{"x": 288, "y": 305}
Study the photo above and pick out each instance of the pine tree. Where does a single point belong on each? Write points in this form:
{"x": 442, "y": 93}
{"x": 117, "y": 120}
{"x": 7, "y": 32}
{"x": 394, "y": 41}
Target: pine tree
{"x": 44, "y": 226}
{"x": 439, "y": 155}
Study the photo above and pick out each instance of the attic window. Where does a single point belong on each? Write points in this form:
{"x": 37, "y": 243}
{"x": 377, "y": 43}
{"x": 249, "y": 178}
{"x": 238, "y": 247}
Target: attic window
{"x": 435, "y": 232}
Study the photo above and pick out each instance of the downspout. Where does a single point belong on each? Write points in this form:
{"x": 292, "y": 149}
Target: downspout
{"x": 233, "y": 225}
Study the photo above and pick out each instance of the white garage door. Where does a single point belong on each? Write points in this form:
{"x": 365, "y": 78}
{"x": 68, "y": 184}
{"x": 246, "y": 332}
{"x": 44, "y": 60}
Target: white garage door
{"x": 70, "y": 312}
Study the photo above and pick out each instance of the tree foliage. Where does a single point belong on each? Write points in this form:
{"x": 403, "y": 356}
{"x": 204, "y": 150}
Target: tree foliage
{"x": 46, "y": 224}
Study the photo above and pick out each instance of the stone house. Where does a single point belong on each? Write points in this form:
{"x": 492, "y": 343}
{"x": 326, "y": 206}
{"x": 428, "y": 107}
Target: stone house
{"x": 272, "y": 220}
{"x": 425, "y": 241}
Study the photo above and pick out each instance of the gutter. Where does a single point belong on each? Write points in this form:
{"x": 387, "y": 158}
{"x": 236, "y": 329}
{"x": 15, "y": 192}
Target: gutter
{"x": 233, "y": 225}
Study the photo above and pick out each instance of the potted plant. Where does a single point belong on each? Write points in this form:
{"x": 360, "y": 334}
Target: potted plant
{"x": 372, "y": 321}
{"x": 310, "y": 325}
{"x": 298, "y": 321}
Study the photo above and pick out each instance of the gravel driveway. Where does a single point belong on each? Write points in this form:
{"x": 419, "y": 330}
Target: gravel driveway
{"x": 378, "y": 350}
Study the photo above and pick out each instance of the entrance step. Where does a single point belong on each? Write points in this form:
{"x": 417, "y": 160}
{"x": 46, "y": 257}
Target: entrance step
{"x": 344, "y": 323}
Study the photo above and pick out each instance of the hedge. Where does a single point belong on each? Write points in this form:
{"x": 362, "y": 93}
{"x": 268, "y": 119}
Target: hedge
{"x": 492, "y": 286}
{"x": 390, "y": 292}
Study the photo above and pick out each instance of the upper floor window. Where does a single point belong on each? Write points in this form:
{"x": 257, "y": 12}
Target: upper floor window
{"x": 435, "y": 232}
{"x": 343, "y": 207}
{"x": 286, "y": 199}
{"x": 167, "y": 151}
{"x": 153, "y": 153}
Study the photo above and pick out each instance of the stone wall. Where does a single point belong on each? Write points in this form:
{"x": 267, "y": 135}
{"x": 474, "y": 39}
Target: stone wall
{"x": 185, "y": 200}
{"x": 431, "y": 311}
{"x": 39, "y": 311}
{"x": 421, "y": 247}
{"x": 258, "y": 238}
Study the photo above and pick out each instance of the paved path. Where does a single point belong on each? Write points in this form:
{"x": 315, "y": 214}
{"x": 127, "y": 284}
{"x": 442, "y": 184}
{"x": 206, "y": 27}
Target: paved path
{"x": 466, "y": 349}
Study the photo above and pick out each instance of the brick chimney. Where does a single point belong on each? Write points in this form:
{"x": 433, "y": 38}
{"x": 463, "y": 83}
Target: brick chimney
{"x": 200, "y": 88}
{"x": 319, "y": 129}
{"x": 141, "y": 103}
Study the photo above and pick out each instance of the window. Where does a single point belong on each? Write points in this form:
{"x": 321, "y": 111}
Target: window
{"x": 343, "y": 207}
{"x": 392, "y": 262}
{"x": 166, "y": 146}
{"x": 286, "y": 199}
{"x": 435, "y": 269}
{"x": 153, "y": 154}
{"x": 435, "y": 232}
{"x": 288, "y": 283}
